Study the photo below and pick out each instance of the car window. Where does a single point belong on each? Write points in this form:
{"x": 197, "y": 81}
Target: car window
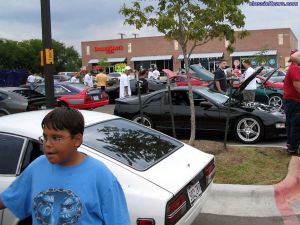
{"x": 2, "y": 96}
{"x": 33, "y": 150}
{"x": 40, "y": 89}
{"x": 155, "y": 100}
{"x": 130, "y": 143}
{"x": 180, "y": 98}
{"x": 10, "y": 151}
{"x": 60, "y": 90}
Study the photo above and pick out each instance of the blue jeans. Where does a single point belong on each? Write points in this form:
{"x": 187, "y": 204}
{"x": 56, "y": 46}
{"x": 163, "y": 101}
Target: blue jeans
{"x": 292, "y": 111}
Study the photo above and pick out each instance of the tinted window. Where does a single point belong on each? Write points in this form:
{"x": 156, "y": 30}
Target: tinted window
{"x": 155, "y": 100}
{"x": 2, "y": 96}
{"x": 33, "y": 150}
{"x": 60, "y": 90}
{"x": 180, "y": 98}
{"x": 10, "y": 150}
{"x": 130, "y": 143}
{"x": 78, "y": 87}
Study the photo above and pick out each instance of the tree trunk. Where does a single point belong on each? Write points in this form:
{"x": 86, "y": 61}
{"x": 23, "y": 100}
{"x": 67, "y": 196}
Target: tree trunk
{"x": 191, "y": 99}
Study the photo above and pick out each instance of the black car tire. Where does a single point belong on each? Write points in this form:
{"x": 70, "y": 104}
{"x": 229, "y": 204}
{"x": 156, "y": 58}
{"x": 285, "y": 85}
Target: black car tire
{"x": 147, "y": 121}
{"x": 276, "y": 101}
{"x": 248, "y": 129}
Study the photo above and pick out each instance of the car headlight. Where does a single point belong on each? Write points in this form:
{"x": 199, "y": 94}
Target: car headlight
{"x": 280, "y": 125}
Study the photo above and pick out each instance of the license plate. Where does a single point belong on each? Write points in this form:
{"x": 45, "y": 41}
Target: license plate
{"x": 194, "y": 192}
{"x": 95, "y": 97}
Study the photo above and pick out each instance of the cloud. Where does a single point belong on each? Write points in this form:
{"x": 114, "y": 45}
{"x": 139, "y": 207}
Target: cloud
{"x": 74, "y": 21}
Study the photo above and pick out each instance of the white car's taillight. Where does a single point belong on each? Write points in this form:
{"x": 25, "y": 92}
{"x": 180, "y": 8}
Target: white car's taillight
{"x": 210, "y": 171}
{"x": 144, "y": 221}
{"x": 176, "y": 209}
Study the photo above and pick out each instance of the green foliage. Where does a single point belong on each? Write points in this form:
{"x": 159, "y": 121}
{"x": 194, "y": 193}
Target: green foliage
{"x": 26, "y": 55}
{"x": 183, "y": 20}
{"x": 104, "y": 63}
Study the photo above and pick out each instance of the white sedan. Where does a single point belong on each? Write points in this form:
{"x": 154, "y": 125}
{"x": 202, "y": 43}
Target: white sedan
{"x": 165, "y": 181}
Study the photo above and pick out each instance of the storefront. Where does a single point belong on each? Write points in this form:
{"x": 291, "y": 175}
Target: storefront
{"x": 157, "y": 51}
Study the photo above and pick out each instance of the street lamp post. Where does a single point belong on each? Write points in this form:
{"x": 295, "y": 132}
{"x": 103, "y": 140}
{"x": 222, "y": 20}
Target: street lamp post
{"x": 47, "y": 53}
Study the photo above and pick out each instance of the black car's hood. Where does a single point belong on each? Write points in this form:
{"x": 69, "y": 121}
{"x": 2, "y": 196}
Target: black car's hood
{"x": 242, "y": 87}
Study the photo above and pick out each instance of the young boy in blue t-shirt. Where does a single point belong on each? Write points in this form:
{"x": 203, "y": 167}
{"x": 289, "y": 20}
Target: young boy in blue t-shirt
{"x": 66, "y": 186}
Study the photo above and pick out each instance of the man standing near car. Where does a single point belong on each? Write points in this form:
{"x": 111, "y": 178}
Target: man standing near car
{"x": 125, "y": 90}
{"x": 101, "y": 79}
{"x": 249, "y": 92}
{"x": 88, "y": 80}
{"x": 291, "y": 99}
{"x": 220, "y": 83}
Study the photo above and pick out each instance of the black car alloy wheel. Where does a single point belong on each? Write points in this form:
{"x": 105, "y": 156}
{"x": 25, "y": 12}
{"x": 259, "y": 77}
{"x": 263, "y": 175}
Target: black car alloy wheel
{"x": 147, "y": 121}
{"x": 248, "y": 129}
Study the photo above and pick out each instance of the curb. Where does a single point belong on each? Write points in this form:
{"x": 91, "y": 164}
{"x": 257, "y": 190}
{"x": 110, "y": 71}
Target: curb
{"x": 279, "y": 200}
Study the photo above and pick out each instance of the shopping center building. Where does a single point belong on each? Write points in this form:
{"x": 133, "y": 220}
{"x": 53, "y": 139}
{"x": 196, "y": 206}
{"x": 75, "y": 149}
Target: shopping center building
{"x": 157, "y": 51}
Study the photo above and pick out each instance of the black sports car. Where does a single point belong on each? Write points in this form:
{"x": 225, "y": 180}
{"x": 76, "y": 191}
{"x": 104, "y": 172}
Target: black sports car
{"x": 250, "y": 121}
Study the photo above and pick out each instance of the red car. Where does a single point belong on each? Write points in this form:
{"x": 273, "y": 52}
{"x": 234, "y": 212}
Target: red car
{"x": 77, "y": 95}
{"x": 181, "y": 80}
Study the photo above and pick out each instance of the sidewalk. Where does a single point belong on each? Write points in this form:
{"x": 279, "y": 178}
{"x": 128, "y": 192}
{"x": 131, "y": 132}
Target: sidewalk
{"x": 280, "y": 200}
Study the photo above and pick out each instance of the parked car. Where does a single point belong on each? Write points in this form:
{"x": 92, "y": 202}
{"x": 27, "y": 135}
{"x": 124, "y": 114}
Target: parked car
{"x": 164, "y": 180}
{"x": 182, "y": 80}
{"x": 69, "y": 74}
{"x": 249, "y": 121}
{"x": 16, "y": 99}
{"x": 278, "y": 75}
{"x": 77, "y": 95}
{"x": 267, "y": 91}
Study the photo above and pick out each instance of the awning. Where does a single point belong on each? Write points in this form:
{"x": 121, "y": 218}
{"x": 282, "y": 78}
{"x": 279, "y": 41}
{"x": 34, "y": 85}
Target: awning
{"x": 92, "y": 61}
{"x": 253, "y": 53}
{"x": 204, "y": 55}
{"x": 151, "y": 58}
{"x": 110, "y": 60}
{"x": 114, "y": 60}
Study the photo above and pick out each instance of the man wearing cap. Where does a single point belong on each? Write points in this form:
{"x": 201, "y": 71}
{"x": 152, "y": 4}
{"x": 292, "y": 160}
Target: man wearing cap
{"x": 125, "y": 90}
{"x": 291, "y": 99}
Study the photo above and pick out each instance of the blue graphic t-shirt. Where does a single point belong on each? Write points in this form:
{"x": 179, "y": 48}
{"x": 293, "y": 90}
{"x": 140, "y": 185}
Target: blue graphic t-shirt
{"x": 87, "y": 193}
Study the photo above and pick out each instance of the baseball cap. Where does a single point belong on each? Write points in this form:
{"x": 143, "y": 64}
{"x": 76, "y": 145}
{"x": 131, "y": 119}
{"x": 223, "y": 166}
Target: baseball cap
{"x": 127, "y": 68}
{"x": 291, "y": 53}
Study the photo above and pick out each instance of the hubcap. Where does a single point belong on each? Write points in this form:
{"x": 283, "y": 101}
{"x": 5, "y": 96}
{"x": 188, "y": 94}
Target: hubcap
{"x": 248, "y": 129}
{"x": 275, "y": 101}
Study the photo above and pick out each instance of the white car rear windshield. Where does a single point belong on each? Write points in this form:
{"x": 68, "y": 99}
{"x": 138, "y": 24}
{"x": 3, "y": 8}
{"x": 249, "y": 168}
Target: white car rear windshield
{"x": 130, "y": 143}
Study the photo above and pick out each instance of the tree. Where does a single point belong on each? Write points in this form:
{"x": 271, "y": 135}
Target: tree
{"x": 26, "y": 55}
{"x": 191, "y": 24}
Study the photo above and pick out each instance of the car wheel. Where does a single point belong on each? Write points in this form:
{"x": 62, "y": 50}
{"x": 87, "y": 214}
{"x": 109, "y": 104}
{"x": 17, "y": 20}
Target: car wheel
{"x": 147, "y": 121}
{"x": 248, "y": 129}
{"x": 276, "y": 101}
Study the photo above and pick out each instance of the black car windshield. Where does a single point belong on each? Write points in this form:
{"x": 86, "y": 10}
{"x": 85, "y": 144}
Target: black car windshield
{"x": 215, "y": 96}
{"x": 130, "y": 143}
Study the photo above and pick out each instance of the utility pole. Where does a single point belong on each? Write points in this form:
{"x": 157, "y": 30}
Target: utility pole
{"x": 47, "y": 56}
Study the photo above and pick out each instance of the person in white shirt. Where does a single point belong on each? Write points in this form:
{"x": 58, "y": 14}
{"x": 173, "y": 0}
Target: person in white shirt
{"x": 88, "y": 80}
{"x": 31, "y": 81}
{"x": 156, "y": 74}
{"x": 249, "y": 92}
{"x": 150, "y": 73}
{"x": 75, "y": 78}
{"x": 125, "y": 90}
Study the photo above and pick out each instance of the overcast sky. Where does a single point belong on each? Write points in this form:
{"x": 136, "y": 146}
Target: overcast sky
{"x": 74, "y": 21}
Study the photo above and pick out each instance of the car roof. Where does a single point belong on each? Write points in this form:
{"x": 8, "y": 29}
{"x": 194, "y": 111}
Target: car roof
{"x": 29, "y": 123}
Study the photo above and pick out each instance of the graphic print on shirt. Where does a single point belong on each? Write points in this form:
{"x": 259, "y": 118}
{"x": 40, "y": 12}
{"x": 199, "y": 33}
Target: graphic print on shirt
{"x": 57, "y": 207}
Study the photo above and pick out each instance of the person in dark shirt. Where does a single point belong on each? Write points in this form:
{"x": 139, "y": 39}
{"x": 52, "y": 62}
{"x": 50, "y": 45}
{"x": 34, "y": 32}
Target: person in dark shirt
{"x": 220, "y": 83}
{"x": 142, "y": 83}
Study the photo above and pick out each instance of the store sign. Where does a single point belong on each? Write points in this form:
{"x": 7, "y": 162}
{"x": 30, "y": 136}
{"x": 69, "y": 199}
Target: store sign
{"x": 109, "y": 49}
{"x": 120, "y": 67}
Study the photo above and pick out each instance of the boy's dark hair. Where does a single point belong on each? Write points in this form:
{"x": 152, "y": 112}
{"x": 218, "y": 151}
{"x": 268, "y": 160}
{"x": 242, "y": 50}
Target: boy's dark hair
{"x": 64, "y": 118}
